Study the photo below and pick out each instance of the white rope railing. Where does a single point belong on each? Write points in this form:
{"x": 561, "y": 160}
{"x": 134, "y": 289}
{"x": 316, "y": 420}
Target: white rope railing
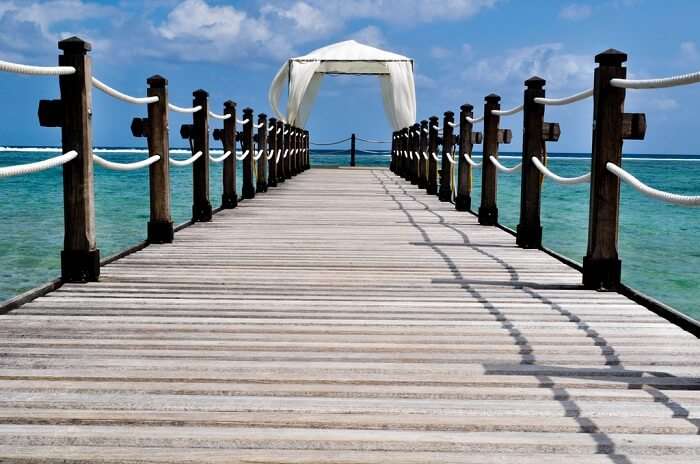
{"x": 585, "y": 178}
{"x": 17, "y": 68}
{"x": 471, "y": 162}
{"x": 219, "y": 159}
{"x": 270, "y": 154}
{"x": 258, "y": 125}
{"x": 122, "y": 96}
{"x": 221, "y": 117}
{"x": 425, "y": 155}
{"x": 565, "y": 100}
{"x": 286, "y": 153}
{"x": 673, "y": 81}
{"x": 180, "y": 109}
{"x": 187, "y": 161}
{"x": 370, "y": 140}
{"x": 450, "y": 158}
{"x": 243, "y": 155}
{"x": 683, "y": 200}
{"x": 475, "y": 120}
{"x": 451, "y": 124}
{"x": 256, "y": 156}
{"x": 435, "y": 127}
{"x": 509, "y": 112}
{"x": 30, "y": 168}
{"x": 435, "y": 156}
{"x": 279, "y": 154}
{"x": 244, "y": 122}
{"x": 505, "y": 169}
{"x": 425, "y": 129}
{"x": 124, "y": 166}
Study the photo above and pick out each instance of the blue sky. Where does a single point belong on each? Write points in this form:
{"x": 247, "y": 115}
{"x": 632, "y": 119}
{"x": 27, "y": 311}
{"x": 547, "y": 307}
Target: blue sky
{"x": 463, "y": 49}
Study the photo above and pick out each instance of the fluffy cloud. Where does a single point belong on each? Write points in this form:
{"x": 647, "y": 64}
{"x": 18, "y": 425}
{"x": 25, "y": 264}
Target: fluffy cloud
{"x": 560, "y": 69}
{"x": 575, "y": 12}
{"x": 370, "y": 35}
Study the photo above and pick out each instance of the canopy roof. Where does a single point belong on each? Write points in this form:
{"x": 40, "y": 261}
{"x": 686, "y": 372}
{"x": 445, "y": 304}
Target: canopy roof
{"x": 304, "y": 75}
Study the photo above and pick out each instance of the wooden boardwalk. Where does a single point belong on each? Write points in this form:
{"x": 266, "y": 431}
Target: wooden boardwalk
{"x": 345, "y": 317}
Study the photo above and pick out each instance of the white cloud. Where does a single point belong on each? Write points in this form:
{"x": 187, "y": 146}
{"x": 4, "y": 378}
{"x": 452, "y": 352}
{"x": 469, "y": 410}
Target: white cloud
{"x": 664, "y": 104}
{"x": 548, "y": 61}
{"x": 575, "y": 12}
{"x": 440, "y": 53}
{"x": 370, "y": 35}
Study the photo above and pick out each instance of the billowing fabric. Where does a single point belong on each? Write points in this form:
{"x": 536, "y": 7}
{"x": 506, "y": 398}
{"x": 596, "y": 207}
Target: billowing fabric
{"x": 303, "y": 76}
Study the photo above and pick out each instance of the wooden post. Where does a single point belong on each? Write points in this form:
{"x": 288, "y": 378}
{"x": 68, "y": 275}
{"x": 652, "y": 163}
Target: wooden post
{"x": 272, "y": 146}
{"x": 248, "y": 190}
{"x": 201, "y": 206}
{"x": 403, "y": 160}
{"x": 80, "y": 258}
{"x": 488, "y": 211}
{"x": 534, "y": 146}
{"x": 352, "y": 150}
{"x": 392, "y": 161}
{"x": 281, "y": 146}
{"x": 422, "y": 149}
{"x": 413, "y": 161}
{"x": 261, "y": 178}
{"x": 160, "y": 225}
{"x": 288, "y": 145}
{"x": 601, "y": 265}
{"x": 445, "y": 193}
{"x": 307, "y": 150}
{"x": 432, "y": 187}
{"x": 229, "y": 198}
{"x": 298, "y": 152}
{"x": 463, "y": 200}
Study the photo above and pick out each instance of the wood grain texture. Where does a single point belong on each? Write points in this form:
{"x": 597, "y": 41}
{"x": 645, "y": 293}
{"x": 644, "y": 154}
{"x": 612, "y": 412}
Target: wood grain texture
{"x": 344, "y": 317}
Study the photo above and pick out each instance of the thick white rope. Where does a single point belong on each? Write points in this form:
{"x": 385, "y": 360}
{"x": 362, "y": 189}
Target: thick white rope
{"x": 278, "y": 130}
{"x": 186, "y": 162}
{"x": 450, "y": 158}
{"x": 36, "y": 70}
{"x": 435, "y": 156}
{"x": 279, "y": 154}
{"x": 509, "y": 112}
{"x": 269, "y": 128}
{"x": 221, "y": 117}
{"x": 471, "y": 162}
{"x": 220, "y": 158}
{"x": 559, "y": 179}
{"x": 286, "y": 153}
{"x": 287, "y": 132}
{"x": 565, "y": 100}
{"x": 435, "y": 127}
{"x": 270, "y": 154}
{"x": 122, "y": 96}
{"x": 425, "y": 129}
{"x": 244, "y": 122}
{"x": 243, "y": 155}
{"x": 674, "y": 81}
{"x": 683, "y": 200}
{"x": 425, "y": 155}
{"x": 256, "y": 156}
{"x": 31, "y": 168}
{"x": 475, "y": 120}
{"x": 452, "y": 124}
{"x": 180, "y": 109}
{"x": 258, "y": 125}
{"x": 502, "y": 168}
{"x": 124, "y": 166}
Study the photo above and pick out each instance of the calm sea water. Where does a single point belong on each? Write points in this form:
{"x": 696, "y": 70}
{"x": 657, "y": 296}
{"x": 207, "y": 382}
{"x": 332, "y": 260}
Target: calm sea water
{"x": 658, "y": 242}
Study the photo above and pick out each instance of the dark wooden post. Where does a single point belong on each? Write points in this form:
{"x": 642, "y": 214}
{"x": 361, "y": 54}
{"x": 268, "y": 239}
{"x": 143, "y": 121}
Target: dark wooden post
{"x": 404, "y": 153}
{"x": 160, "y": 225}
{"x": 80, "y": 258}
{"x": 201, "y": 206}
{"x": 445, "y": 193}
{"x": 352, "y": 150}
{"x": 422, "y": 150}
{"x": 281, "y": 146}
{"x": 288, "y": 145}
{"x": 298, "y": 152}
{"x": 307, "y": 151}
{"x": 293, "y": 142}
{"x": 414, "y": 161}
{"x": 229, "y": 198}
{"x": 420, "y": 161}
{"x": 272, "y": 146}
{"x": 467, "y": 139}
{"x": 261, "y": 178}
{"x": 488, "y": 211}
{"x": 392, "y": 159}
{"x": 248, "y": 190}
{"x": 534, "y": 146}
{"x": 432, "y": 187}
{"x": 601, "y": 265}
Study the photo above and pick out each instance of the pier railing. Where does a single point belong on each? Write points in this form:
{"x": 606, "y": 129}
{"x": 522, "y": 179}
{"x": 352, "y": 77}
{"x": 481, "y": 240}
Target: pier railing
{"x": 271, "y": 151}
{"x": 352, "y": 149}
{"x": 416, "y": 151}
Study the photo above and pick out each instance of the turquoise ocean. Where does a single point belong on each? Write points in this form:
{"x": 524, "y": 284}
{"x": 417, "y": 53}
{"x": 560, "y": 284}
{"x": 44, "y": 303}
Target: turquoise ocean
{"x": 658, "y": 242}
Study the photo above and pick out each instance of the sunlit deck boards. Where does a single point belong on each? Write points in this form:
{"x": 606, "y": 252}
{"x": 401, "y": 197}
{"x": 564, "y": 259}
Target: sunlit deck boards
{"x": 344, "y": 317}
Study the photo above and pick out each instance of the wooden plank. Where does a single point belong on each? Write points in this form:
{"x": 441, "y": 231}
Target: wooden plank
{"x": 362, "y": 322}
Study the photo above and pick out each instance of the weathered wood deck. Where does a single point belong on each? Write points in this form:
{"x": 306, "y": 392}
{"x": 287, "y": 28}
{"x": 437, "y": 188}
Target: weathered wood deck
{"x": 344, "y": 317}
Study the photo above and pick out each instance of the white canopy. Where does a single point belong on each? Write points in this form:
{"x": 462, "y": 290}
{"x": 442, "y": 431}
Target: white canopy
{"x": 304, "y": 75}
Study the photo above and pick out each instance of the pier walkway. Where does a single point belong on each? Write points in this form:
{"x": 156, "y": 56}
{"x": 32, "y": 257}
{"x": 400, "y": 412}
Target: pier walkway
{"x": 344, "y": 317}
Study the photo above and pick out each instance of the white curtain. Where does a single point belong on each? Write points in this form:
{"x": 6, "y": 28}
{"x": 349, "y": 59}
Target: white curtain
{"x": 308, "y": 101}
{"x": 301, "y": 75}
{"x": 403, "y": 94}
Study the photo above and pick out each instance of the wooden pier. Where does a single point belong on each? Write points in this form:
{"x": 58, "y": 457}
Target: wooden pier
{"x": 344, "y": 317}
